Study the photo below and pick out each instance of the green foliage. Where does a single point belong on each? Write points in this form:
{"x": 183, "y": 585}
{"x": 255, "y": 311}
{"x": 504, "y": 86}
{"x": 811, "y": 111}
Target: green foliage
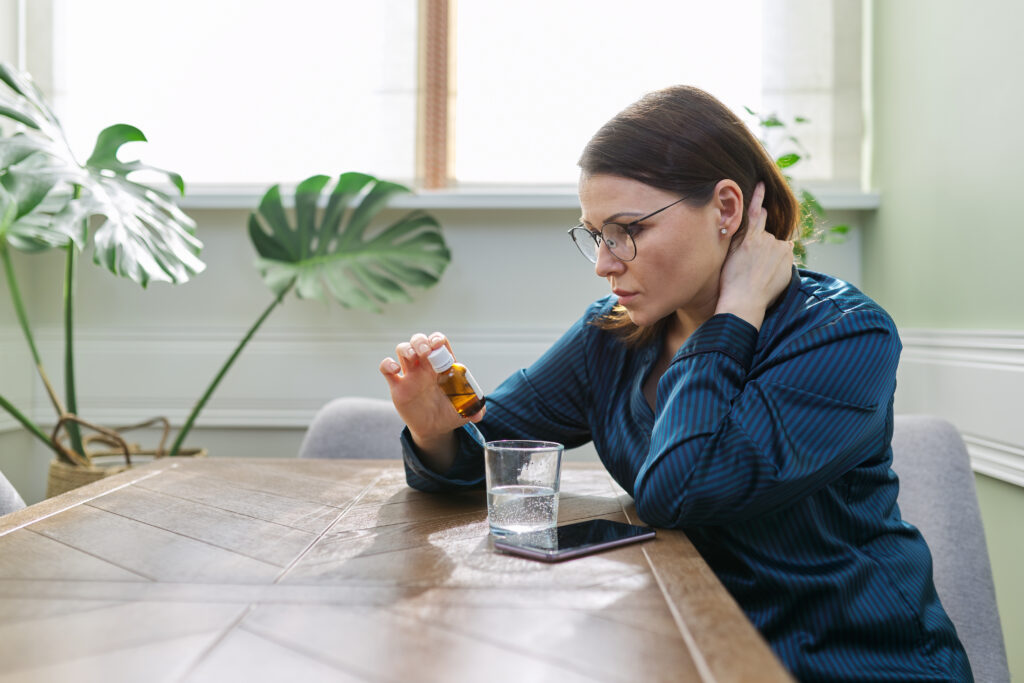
{"x": 46, "y": 195}
{"x": 813, "y": 225}
{"x": 336, "y": 251}
{"x": 333, "y": 254}
{"x": 47, "y": 200}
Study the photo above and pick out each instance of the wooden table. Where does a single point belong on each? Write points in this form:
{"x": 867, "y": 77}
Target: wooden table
{"x": 316, "y": 570}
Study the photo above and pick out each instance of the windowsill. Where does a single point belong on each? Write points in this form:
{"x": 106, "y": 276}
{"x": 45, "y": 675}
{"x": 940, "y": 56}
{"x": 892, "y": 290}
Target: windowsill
{"x": 247, "y": 196}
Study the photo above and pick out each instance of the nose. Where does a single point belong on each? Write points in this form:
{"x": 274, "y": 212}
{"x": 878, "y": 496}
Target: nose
{"x": 607, "y": 264}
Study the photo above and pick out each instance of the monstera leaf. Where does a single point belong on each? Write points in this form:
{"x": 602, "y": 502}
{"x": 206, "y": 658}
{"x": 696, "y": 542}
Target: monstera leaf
{"x": 45, "y": 194}
{"x": 334, "y": 251}
{"x": 144, "y": 236}
{"x": 37, "y": 172}
{"x": 36, "y": 207}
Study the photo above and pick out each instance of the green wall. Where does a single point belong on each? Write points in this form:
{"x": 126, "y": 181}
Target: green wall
{"x": 948, "y": 151}
{"x": 1001, "y": 507}
{"x": 945, "y": 248}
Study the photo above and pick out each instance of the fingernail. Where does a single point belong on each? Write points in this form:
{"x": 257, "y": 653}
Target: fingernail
{"x": 393, "y": 367}
{"x": 410, "y": 352}
{"x": 424, "y": 348}
{"x": 436, "y": 338}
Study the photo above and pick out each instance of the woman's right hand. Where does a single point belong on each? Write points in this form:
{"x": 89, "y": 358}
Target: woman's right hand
{"x": 757, "y": 271}
{"x": 422, "y": 405}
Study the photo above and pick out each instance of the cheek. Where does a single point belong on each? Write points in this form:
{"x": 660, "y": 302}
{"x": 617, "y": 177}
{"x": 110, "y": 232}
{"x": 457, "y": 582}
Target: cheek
{"x": 684, "y": 260}
{"x": 691, "y": 268}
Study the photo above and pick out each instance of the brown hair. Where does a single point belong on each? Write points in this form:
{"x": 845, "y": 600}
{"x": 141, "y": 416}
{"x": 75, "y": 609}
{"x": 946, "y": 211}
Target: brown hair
{"x": 683, "y": 140}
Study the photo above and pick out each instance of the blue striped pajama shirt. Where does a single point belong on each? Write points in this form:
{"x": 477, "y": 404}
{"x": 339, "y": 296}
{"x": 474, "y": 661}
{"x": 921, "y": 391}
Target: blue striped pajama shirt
{"x": 771, "y": 450}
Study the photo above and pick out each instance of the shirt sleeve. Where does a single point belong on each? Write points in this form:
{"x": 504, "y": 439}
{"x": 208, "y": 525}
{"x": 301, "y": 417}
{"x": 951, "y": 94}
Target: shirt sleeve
{"x": 547, "y": 402}
{"x": 466, "y": 472}
{"x": 732, "y": 441}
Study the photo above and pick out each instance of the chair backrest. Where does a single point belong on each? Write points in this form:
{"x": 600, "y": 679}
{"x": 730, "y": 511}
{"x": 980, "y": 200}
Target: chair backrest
{"x": 937, "y": 496}
{"x": 9, "y": 498}
{"x": 354, "y": 427}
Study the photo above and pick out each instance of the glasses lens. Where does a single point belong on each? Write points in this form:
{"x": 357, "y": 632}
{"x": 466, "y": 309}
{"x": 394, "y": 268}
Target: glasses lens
{"x": 619, "y": 241}
{"x": 586, "y": 243}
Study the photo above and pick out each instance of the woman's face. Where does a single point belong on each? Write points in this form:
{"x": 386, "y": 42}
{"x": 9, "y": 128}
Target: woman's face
{"x": 679, "y": 252}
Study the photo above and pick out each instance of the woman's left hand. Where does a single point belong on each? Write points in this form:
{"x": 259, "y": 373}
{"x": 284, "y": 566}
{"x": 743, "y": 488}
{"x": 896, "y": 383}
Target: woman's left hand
{"x": 757, "y": 271}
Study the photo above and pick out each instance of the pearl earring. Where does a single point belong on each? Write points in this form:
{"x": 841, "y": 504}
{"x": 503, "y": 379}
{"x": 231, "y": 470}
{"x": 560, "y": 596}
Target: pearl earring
{"x": 723, "y": 231}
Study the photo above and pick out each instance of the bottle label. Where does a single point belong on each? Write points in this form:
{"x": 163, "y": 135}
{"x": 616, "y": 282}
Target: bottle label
{"x": 472, "y": 383}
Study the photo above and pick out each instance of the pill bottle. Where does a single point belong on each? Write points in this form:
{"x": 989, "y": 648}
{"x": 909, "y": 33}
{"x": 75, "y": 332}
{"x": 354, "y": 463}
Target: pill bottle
{"x": 456, "y": 382}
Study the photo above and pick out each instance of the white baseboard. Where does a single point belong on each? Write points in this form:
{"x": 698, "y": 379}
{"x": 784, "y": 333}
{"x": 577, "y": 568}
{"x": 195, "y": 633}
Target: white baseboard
{"x": 996, "y": 460}
{"x": 975, "y": 379}
{"x": 280, "y": 380}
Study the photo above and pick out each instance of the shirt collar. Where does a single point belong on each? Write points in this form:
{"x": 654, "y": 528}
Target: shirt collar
{"x": 781, "y": 304}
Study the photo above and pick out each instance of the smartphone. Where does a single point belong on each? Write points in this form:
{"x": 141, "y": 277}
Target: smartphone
{"x": 572, "y": 540}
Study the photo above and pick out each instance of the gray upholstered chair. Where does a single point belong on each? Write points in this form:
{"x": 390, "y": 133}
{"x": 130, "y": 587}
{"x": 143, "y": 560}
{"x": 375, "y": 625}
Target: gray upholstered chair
{"x": 9, "y": 498}
{"x": 354, "y": 427}
{"x": 937, "y": 496}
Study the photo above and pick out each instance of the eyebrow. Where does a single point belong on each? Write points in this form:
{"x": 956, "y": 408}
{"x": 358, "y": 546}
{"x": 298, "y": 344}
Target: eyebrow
{"x": 614, "y": 217}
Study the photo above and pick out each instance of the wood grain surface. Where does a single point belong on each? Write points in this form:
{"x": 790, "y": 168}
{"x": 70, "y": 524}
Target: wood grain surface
{"x": 221, "y": 569}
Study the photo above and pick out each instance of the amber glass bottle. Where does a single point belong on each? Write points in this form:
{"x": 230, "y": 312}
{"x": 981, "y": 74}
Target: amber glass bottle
{"x": 456, "y": 382}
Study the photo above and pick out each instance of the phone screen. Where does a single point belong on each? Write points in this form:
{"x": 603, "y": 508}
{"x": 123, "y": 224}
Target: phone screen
{"x": 573, "y": 540}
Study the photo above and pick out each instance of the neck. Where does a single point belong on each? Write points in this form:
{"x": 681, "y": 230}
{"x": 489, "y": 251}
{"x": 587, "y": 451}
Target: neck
{"x": 686, "y": 321}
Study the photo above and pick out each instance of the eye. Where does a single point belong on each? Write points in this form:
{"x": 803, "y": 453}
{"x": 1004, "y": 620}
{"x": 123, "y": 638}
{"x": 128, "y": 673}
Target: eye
{"x": 615, "y": 234}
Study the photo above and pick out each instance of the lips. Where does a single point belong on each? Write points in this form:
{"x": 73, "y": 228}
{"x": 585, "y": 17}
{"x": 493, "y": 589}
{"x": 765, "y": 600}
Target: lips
{"x": 625, "y": 296}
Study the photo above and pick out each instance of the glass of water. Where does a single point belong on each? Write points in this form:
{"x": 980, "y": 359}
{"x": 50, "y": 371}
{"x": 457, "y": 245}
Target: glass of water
{"x": 522, "y": 485}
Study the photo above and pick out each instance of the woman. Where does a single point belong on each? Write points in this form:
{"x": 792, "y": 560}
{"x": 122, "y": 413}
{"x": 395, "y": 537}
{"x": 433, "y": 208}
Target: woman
{"x": 733, "y": 396}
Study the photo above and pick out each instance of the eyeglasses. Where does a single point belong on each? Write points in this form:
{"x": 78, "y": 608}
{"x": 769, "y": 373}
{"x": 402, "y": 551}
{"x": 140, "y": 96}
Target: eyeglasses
{"x": 617, "y": 236}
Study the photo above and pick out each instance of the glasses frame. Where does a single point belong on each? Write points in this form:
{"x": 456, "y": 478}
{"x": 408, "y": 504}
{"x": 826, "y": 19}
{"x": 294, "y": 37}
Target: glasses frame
{"x": 598, "y": 237}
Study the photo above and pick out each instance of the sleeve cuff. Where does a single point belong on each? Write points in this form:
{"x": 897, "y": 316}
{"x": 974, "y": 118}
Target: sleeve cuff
{"x": 723, "y": 333}
{"x": 467, "y": 472}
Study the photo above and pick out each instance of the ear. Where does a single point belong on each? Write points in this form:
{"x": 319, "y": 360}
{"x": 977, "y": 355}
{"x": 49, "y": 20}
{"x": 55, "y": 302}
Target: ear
{"x": 728, "y": 201}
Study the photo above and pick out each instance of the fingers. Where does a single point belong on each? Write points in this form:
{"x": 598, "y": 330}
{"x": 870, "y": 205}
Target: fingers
{"x": 757, "y": 215}
{"x": 407, "y": 357}
{"x": 413, "y": 353}
{"x": 437, "y": 340}
{"x": 424, "y": 344}
{"x": 390, "y": 369}
{"x": 421, "y": 344}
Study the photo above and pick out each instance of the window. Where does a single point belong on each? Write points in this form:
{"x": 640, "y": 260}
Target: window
{"x": 536, "y": 78}
{"x": 251, "y": 91}
{"x": 261, "y": 91}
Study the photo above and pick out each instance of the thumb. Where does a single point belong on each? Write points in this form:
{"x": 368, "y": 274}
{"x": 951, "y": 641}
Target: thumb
{"x": 390, "y": 369}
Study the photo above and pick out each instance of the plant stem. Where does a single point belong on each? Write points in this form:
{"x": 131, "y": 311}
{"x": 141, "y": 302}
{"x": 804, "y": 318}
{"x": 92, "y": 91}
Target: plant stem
{"x": 223, "y": 371}
{"x": 27, "y": 423}
{"x": 74, "y": 432}
{"x": 19, "y": 309}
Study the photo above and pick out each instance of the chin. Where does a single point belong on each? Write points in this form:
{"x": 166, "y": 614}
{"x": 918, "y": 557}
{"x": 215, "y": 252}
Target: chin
{"x": 639, "y": 319}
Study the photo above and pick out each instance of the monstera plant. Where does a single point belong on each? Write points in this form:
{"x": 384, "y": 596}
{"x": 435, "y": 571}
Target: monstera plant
{"x": 336, "y": 253}
{"x": 50, "y": 201}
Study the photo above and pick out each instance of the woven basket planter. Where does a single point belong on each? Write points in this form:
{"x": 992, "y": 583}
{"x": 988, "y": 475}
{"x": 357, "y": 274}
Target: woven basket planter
{"x": 64, "y": 477}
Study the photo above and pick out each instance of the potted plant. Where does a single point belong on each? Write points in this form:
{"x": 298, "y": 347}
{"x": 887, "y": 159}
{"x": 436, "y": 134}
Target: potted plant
{"x": 812, "y": 215}
{"x": 48, "y": 200}
{"x": 337, "y": 252}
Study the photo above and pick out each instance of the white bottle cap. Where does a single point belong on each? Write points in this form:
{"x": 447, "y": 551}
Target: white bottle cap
{"x": 441, "y": 359}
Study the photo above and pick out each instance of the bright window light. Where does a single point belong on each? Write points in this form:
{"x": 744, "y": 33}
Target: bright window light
{"x": 537, "y": 78}
{"x": 261, "y": 91}
{"x": 252, "y": 91}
